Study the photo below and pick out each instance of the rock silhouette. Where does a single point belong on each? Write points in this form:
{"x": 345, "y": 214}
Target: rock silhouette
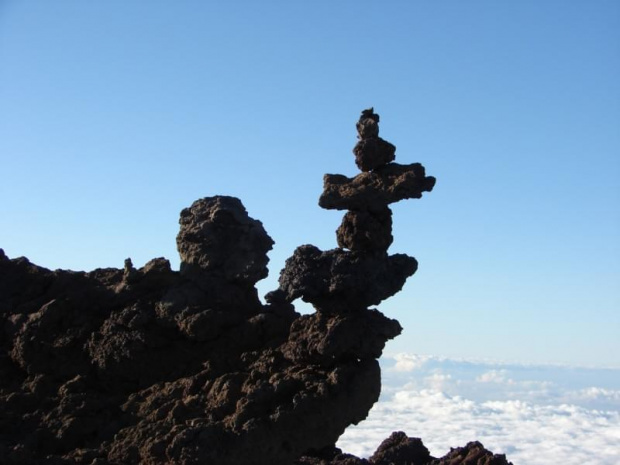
{"x": 371, "y": 151}
{"x": 155, "y": 366}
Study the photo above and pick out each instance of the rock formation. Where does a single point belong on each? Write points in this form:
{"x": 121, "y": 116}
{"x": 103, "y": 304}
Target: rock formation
{"x": 155, "y": 366}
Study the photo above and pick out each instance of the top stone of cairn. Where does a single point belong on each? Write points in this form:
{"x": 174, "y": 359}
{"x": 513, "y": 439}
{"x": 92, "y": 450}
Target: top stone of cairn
{"x": 371, "y": 151}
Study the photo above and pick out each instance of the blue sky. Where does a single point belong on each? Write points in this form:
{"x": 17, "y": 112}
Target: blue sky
{"x": 116, "y": 115}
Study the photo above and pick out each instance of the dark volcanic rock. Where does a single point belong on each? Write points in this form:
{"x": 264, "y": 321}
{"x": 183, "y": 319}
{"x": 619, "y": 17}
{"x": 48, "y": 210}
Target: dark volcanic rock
{"x": 341, "y": 281}
{"x": 368, "y": 124}
{"x": 473, "y": 453}
{"x": 375, "y": 190}
{"x": 399, "y": 448}
{"x": 366, "y": 231}
{"x": 218, "y": 238}
{"x": 373, "y": 153}
{"x": 153, "y": 366}
{"x": 321, "y": 338}
{"x": 270, "y": 412}
{"x": 330, "y": 456}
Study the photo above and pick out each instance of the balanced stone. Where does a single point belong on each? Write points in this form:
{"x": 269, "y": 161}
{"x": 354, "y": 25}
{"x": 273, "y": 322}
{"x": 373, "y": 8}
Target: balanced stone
{"x": 366, "y": 231}
{"x": 368, "y": 124}
{"x": 371, "y": 151}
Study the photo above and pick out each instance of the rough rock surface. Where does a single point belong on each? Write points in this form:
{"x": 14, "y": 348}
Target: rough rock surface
{"x": 366, "y": 231}
{"x": 399, "y": 449}
{"x": 371, "y": 151}
{"x": 337, "y": 280}
{"x": 474, "y": 453}
{"x": 154, "y": 366}
{"x": 219, "y": 239}
{"x": 375, "y": 190}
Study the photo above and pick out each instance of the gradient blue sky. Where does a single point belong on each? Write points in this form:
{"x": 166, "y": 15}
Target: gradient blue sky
{"x": 116, "y": 115}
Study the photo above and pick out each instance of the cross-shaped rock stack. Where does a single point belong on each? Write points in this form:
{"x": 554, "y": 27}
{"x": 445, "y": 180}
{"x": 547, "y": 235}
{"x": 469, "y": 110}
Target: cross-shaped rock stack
{"x": 359, "y": 273}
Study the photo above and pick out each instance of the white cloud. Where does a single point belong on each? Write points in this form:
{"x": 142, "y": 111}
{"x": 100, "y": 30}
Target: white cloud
{"x": 528, "y": 434}
{"x": 487, "y": 380}
{"x": 409, "y": 362}
{"x": 511, "y": 409}
{"x": 494, "y": 376}
{"x": 599, "y": 393}
{"x": 438, "y": 380}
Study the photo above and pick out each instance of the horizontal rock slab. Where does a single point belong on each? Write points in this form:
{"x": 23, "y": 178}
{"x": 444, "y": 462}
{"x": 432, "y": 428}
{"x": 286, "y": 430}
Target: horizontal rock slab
{"x": 377, "y": 189}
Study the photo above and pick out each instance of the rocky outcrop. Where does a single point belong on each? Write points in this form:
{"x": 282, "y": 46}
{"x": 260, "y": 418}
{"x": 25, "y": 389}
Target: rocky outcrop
{"x": 218, "y": 240}
{"x": 155, "y": 366}
{"x": 399, "y": 449}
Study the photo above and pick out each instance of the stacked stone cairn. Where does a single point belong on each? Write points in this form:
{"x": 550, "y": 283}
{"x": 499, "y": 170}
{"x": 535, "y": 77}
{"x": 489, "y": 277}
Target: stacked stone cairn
{"x": 359, "y": 273}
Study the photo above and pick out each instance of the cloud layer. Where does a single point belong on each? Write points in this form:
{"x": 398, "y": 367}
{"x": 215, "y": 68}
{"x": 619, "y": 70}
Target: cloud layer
{"x": 571, "y": 417}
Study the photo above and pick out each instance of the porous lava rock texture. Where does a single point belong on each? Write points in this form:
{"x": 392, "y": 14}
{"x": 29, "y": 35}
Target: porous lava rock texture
{"x": 122, "y": 366}
{"x": 399, "y": 449}
{"x": 371, "y": 151}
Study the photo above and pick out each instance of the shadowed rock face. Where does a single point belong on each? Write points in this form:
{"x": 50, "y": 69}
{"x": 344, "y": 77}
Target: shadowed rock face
{"x": 340, "y": 281}
{"x": 218, "y": 239}
{"x": 366, "y": 231}
{"x": 154, "y": 366}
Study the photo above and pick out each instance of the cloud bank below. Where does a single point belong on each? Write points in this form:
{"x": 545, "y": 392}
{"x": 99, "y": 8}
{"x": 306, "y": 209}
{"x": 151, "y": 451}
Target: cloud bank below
{"x": 536, "y": 415}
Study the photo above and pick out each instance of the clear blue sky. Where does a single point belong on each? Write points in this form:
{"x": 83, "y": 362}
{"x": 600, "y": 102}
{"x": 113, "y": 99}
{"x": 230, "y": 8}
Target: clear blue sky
{"x": 116, "y": 115}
